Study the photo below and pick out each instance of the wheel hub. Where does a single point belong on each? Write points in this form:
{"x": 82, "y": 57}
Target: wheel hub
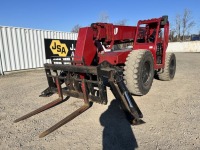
{"x": 146, "y": 73}
{"x": 172, "y": 67}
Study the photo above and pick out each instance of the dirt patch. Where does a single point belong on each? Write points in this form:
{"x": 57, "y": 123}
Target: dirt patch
{"x": 171, "y": 111}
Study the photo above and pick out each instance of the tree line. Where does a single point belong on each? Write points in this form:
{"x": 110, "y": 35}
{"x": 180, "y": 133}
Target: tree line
{"x": 104, "y": 17}
{"x": 180, "y": 27}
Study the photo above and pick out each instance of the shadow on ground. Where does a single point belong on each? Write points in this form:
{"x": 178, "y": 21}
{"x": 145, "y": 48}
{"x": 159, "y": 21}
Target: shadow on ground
{"x": 117, "y": 133}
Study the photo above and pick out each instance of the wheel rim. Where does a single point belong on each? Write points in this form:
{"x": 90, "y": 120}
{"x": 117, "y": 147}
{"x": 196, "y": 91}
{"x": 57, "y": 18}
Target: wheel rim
{"x": 172, "y": 67}
{"x": 146, "y": 73}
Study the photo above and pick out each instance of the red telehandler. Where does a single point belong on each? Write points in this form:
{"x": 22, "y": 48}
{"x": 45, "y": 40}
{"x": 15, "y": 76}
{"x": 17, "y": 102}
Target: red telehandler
{"x": 124, "y": 58}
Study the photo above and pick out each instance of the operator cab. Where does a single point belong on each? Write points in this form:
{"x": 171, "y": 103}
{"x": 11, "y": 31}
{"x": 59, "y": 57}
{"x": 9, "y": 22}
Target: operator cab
{"x": 153, "y": 35}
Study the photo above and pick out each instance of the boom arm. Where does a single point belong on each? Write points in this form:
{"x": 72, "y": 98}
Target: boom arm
{"x": 91, "y": 39}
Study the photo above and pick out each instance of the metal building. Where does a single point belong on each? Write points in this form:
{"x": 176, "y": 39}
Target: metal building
{"x": 23, "y": 48}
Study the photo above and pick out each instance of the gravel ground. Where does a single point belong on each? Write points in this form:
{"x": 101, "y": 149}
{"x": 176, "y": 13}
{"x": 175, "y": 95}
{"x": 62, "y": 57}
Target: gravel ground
{"x": 171, "y": 111}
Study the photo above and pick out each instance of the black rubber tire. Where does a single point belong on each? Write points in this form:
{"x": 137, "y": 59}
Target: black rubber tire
{"x": 170, "y": 68}
{"x": 139, "y": 71}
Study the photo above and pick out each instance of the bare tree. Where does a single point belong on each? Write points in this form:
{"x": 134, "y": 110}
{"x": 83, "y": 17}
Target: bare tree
{"x": 187, "y": 22}
{"x": 198, "y": 27}
{"x": 172, "y": 35}
{"x": 76, "y": 28}
{"x": 104, "y": 17}
{"x": 121, "y": 22}
{"x": 183, "y": 24}
{"x": 178, "y": 27}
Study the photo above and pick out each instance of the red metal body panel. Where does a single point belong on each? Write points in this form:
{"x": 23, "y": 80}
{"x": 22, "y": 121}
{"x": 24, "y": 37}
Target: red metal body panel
{"x": 111, "y": 32}
{"x": 85, "y": 47}
{"x": 115, "y": 58}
